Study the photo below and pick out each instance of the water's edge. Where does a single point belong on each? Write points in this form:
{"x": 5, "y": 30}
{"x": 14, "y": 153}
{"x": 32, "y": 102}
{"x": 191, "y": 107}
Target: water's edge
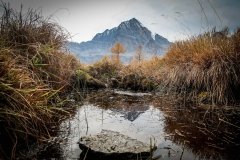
{"x": 178, "y": 132}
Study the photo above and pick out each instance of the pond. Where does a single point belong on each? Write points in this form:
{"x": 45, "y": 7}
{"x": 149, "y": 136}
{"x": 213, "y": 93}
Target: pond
{"x": 179, "y": 131}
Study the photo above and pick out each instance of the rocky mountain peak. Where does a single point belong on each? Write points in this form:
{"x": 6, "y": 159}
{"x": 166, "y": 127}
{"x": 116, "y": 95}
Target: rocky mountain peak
{"x": 130, "y": 33}
{"x": 132, "y": 23}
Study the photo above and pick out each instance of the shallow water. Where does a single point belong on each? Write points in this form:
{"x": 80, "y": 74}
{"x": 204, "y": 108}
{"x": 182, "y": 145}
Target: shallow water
{"x": 178, "y": 132}
{"x": 91, "y": 120}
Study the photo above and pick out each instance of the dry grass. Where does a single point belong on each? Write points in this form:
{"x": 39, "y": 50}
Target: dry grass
{"x": 19, "y": 29}
{"x": 147, "y": 68}
{"x": 205, "y": 68}
{"x": 34, "y": 71}
{"x": 205, "y": 65}
{"x": 105, "y": 69}
{"x": 141, "y": 75}
{"x": 138, "y": 75}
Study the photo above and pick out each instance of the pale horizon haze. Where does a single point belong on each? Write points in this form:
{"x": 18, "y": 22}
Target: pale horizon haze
{"x": 173, "y": 19}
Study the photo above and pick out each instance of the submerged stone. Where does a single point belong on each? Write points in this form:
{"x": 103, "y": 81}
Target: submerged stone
{"x": 113, "y": 145}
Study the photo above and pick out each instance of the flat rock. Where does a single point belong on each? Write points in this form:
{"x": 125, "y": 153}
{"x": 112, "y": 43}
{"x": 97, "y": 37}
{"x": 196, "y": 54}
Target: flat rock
{"x": 128, "y": 93}
{"x": 113, "y": 145}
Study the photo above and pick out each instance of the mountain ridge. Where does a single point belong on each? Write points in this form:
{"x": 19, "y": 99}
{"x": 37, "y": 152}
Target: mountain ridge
{"x": 131, "y": 34}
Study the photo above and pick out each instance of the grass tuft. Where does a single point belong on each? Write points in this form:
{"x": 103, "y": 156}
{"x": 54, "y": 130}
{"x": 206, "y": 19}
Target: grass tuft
{"x": 35, "y": 71}
{"x": 207, "y": 63}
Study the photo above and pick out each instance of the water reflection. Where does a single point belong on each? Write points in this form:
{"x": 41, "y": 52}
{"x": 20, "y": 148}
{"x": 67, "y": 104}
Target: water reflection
{"x": 91, "y": 120}
{"x": 132, "y": 115}
{"x": 189, "y": 132}
{"x": 210, "y": 133}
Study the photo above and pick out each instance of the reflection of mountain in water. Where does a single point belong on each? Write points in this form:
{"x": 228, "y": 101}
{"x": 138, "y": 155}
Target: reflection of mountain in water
{"x": 181, "y": 132}
{"x": 203, "y": 133}
{"x": 132, "y": 115}
{"x": 132, "y": 112}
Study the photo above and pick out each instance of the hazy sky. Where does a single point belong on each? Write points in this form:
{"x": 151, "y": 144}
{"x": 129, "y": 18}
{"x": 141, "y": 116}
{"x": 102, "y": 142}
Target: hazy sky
{"x": 173, "y": 19}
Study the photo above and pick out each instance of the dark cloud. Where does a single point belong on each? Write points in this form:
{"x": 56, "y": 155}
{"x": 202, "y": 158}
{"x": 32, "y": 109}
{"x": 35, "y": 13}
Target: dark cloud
{"x": 174, "y": 19}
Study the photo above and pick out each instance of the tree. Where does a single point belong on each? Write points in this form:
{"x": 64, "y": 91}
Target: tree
{"x": 139, "y": 54}
{"x": 118, "y": 49}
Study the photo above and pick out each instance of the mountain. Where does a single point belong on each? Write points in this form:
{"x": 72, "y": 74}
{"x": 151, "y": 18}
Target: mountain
{"x": 130, "y": 33}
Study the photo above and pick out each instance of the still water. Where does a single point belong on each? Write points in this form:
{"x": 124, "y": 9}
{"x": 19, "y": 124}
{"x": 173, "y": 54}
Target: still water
{"x": 179, "y": 131}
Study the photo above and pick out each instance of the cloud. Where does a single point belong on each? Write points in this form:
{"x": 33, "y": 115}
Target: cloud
{"x": 173, "y": 19}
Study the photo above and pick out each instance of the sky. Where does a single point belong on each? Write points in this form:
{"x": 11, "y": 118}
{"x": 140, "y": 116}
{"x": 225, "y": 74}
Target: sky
{"x": 173, "y": 19}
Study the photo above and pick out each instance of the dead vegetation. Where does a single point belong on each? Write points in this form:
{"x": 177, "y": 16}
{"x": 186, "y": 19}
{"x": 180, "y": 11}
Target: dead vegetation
{"x": 204, "y": 68}
{"x": 35, "y": 71}
{"x": 138, "y": 75}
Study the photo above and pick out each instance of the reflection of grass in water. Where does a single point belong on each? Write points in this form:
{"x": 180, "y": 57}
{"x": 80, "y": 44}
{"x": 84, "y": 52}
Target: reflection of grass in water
{"x": 197, "y": 129}
{"x": 108, "y": 99}
{"x": 203, "y": 131}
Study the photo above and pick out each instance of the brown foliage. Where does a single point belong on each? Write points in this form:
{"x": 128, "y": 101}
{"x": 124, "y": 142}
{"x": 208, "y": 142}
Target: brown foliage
{"x": 206, "y": 63}
{"x": 117, "y": 49}
{"x": 34, "y": 70}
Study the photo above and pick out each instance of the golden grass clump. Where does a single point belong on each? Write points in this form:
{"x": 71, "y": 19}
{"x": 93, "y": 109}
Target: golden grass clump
{"x": 34, "y": 71}
{"x": 138, "y": 75}
{"x": 208, "y": 63}
{"x": 142, "y": 75}
{"x": 105, "y": 69}
{"x": 150, "y": 68}
{"x": 19, "y": 29}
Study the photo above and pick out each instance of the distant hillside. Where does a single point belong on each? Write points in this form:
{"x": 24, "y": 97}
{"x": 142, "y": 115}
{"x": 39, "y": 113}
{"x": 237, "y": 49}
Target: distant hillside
{"x": 130, "y": 33}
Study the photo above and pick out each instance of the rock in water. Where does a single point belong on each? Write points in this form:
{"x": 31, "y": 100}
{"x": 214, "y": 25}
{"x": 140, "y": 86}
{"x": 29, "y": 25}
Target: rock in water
{"x": 109, "y": 145}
